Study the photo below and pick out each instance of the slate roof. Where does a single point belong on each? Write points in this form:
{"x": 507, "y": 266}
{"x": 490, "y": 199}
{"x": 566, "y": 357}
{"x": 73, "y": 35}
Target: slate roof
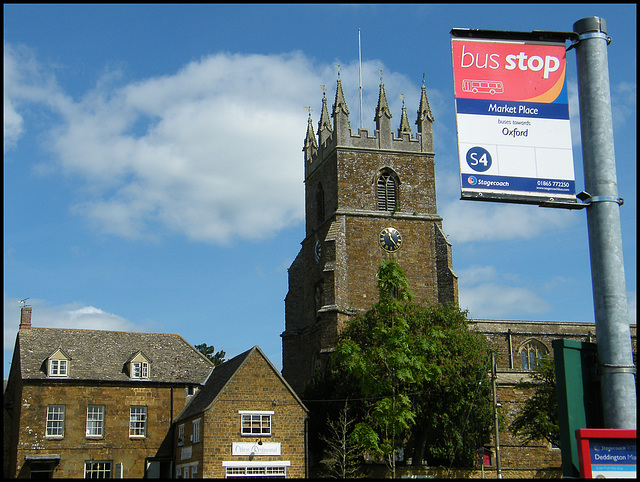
{"x": 102, "y": 355}
{"x": 218, "y": 379}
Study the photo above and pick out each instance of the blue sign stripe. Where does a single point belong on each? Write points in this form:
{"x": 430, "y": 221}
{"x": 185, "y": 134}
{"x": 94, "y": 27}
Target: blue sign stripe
{"x": 531, "y": 185}
{"x": 512, "y": 108}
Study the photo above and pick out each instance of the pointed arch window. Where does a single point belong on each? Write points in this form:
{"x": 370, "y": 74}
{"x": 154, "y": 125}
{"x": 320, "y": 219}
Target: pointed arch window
{"x": 387, "y": 187}
{"x": 531, "y": 354}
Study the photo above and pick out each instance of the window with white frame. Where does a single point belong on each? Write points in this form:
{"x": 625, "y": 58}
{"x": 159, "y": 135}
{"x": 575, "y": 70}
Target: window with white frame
{"x": 55, "y": 421}
{"x": 140, "y": 370}
{"x": 58, "y": 368}
{"x": 138, "y": 422}
{"x": 255, "y": 469}
{"x": 181, "y": 434}
{"x": 95, "y": 421}
{"x": 187, "y": 471}
{"x": 256, "y": 423}
{"x": 196, "y": 431}
{"x": 94, "y": 469}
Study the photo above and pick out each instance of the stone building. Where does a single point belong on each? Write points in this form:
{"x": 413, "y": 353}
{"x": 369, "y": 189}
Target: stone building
{"x": 367, "y": 198}
{"x": 246, "y": 421}
{"x": 108, "y": 404}
{"x": 90, "y": 403}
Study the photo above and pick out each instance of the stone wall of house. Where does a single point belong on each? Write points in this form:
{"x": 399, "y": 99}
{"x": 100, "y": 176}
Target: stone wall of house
{"x": 255, "y": 387}
{"x": 74, "y": 448}
{"x": 189, "y": 451}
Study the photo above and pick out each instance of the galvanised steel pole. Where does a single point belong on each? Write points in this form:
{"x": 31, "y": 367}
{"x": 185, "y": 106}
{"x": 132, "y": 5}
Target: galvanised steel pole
{"x": 494, "y": 375}
{"x": 603, "y": 219}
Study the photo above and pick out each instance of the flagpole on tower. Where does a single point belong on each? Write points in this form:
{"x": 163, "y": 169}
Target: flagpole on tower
{"x": 360, "y": 74}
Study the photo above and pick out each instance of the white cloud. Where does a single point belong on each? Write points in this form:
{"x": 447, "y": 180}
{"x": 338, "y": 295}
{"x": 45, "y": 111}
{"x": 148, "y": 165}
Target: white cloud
{"x": 13, "y": 124}
{"x": 631, "y": 300}
{"x": 623, "y": 102}
{"x": 475, "y": 221}
{"x": 486, "y": 293}
{"x": 212, "y": 152}
{"x": 574, "y": 113}
{"x": 73, "y": 315}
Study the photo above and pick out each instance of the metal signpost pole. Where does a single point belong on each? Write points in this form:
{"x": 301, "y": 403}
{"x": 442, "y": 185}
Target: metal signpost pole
{"x": 603, "y": 219}
{"x": 495, "y": 413}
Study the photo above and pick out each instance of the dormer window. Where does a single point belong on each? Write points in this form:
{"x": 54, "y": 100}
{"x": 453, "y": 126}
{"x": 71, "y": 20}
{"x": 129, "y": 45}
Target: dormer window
{"x": 140, "y": 370}
{"x": 139, "y": 366}
{"x": 58, "y": 364}
{"x": 58, "y": 368}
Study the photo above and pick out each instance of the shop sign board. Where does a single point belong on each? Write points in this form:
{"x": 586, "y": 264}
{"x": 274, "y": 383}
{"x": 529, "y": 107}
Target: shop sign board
{"x": 607, "y": 453}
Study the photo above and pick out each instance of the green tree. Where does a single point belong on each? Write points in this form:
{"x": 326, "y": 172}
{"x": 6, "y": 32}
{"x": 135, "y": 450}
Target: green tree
{"x": 217, "y": 358}
{"x": 454, "y": 415}
{"x": 376, "y": 349}
{"x": 421, "y": 371}
{"x": 538, "y": 419}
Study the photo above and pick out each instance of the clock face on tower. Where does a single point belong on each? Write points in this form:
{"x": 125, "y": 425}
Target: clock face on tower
{"x": 390, "y": 239}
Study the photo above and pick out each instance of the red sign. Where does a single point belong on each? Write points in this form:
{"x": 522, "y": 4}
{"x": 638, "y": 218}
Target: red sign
{"x": 607, "y": 453}
{"x": 516, "y": 71}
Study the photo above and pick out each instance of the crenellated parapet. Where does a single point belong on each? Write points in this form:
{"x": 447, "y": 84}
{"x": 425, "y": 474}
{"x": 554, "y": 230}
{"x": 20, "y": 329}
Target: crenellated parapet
{"x": 338, "y": 134}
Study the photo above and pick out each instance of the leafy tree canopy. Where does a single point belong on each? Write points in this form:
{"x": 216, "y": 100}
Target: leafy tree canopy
{"x": 420, "y": 375}
{"x": 538, "y": 419}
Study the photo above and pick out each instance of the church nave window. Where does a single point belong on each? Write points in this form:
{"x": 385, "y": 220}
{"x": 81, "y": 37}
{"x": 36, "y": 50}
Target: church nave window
{"x": 531, "y": 353}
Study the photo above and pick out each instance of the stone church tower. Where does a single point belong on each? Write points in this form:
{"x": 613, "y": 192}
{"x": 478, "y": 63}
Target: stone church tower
{"x": 368, "y": 198}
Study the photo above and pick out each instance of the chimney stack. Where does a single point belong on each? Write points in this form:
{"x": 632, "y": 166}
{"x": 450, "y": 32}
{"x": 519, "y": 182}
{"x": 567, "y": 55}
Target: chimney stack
{"x": 25, "y": 317}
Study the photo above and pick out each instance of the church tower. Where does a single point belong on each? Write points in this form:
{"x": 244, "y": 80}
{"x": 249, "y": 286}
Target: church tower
{"x": 367, "y": 198}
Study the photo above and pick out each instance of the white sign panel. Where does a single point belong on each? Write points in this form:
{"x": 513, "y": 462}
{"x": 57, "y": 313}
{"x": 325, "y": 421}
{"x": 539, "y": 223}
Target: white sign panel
{"x": 512, "y": 116}
{"x": 255, "y": 448}
{"x": 185, "y": 453}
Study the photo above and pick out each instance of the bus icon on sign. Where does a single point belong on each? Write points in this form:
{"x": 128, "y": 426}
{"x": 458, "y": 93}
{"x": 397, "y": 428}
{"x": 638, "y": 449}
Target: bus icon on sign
{"x": 483, "y": 86}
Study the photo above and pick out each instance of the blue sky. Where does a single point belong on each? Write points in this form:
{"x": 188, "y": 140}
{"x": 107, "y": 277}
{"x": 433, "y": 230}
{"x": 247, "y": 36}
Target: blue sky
{"x": 153, "y": 167}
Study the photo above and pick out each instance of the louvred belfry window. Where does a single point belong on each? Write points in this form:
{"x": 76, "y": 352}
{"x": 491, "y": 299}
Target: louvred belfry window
{"x": 386, "y": 193}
